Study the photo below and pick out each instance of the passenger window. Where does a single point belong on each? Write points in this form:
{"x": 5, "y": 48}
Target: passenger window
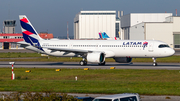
{"x": 132, "y": 98}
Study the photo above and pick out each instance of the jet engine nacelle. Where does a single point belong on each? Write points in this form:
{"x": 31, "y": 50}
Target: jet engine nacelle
{"x": 96, "y": 57}
{"x": 123, "y": 59}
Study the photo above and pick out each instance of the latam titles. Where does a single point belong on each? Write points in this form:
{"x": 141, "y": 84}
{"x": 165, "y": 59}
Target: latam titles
{"x": 132, "y": 43}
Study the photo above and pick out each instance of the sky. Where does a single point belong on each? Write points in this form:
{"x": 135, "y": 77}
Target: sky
{"x": 52, "y": 15}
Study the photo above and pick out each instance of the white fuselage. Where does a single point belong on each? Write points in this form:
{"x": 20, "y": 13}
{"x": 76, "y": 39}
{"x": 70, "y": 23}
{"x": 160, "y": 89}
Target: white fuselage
{"x": 111, "y": 48}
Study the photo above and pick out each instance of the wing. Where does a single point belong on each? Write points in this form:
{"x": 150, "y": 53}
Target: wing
{"x": 69, "y": 50}
{"x": 81, "y": 51}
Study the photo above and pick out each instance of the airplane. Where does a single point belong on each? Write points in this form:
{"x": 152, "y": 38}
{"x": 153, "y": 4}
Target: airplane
{"x": 93, "y": 51}
{"x": 105, "y": 36}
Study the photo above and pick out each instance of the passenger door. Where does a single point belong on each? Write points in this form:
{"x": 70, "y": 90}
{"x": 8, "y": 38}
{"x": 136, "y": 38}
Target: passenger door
{"x": 150, "y": 46}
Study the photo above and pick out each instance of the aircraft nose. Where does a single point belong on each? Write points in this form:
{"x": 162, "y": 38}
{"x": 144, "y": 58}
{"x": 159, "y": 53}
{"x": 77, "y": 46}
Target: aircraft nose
{"x": 171, "y": 52}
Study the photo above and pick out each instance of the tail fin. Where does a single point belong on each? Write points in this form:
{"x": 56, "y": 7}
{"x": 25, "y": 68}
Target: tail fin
{"x": 104, "y": 35}
{"x": 115, "y": 38}
{"x": 29, "y": 33}
{"x": 100, "y": 35}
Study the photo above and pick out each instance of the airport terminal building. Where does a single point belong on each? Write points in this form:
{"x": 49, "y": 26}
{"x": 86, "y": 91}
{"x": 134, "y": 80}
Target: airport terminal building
{"x": 8, "y": 37}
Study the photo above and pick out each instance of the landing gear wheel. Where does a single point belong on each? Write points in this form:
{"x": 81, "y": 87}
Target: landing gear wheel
{"x": 154, "y": 64}
{"x": 102, "y": 63}
{"x": 82, "y": 63}
{"x": 85, "y": 62}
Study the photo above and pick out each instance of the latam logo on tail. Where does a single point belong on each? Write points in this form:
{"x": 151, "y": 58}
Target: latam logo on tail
{"x": 29, "y": 33}
{"x": 28, "y": 30}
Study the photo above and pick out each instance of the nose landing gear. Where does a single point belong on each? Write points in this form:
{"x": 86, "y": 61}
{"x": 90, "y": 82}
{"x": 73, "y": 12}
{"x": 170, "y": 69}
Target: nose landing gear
{"x": 154, "y": 61}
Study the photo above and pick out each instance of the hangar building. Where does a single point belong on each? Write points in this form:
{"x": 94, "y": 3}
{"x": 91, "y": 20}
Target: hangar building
{"x": 149, "y": 26}
{"x": 133, "y": 26}
{"x": 87, "y": 24}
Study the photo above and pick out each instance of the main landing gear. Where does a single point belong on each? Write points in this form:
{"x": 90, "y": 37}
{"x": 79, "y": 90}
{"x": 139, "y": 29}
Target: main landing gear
{"x": 83, "y": 62}
{"x": 154, "y": 62}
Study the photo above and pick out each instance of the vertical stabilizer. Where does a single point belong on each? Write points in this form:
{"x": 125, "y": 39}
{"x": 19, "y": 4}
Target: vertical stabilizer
{"x": 104, "y": 35}
{"x": 29, "y": 33}
{"x": 100, "y": 35}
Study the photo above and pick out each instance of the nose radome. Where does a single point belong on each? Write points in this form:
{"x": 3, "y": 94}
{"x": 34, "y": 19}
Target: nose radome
{"x": 172, "y": 51}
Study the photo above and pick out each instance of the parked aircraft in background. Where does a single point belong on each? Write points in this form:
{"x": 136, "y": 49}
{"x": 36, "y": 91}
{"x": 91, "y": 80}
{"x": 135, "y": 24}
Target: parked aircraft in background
{"x": 93, "y": 51}
{"x": 103, "y": 35}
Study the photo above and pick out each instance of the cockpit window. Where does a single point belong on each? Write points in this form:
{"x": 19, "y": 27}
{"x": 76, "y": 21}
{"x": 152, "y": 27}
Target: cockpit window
{"x": 163, "y": 45}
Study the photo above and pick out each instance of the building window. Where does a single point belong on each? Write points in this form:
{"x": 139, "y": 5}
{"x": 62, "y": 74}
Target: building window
{"x": 176, "y": 40}
{"x": 117, "y": 30}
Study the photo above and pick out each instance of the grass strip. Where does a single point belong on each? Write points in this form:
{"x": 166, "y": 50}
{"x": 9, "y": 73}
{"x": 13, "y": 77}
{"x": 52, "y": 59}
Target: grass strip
{"x": 148, "y": 82}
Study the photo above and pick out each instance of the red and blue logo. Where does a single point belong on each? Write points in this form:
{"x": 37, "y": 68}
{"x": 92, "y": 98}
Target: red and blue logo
{"x": 145, "y": 44}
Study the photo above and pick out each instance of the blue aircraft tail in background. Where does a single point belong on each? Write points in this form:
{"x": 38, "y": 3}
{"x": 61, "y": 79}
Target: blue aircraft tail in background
{"x": 103, "y": 35}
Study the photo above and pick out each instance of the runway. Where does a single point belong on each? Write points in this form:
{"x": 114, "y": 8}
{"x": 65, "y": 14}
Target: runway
{"x": 75, "y": 65}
